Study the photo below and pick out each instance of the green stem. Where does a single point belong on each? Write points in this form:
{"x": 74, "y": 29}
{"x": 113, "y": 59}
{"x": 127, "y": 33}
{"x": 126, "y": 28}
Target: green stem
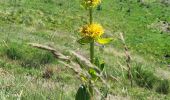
{"x": 91, "y": 15}
{"x": 92, "y": 43}
{"x": 91, "y": 91}
{"x": 91, "y": 51}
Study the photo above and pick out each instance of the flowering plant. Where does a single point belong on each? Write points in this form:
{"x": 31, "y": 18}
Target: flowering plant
{"x": 90, "y": 3}
{"x": 91, "y": 33}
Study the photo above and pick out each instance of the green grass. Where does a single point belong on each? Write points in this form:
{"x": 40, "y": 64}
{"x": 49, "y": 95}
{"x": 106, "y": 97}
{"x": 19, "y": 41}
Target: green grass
{"x": 56, "y": 23}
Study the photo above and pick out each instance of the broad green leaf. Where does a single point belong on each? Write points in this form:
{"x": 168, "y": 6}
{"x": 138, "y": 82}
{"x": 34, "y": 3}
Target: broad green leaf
{"x": 104, "y": 40}
{"x": 85, "y": 40}
{"x": 102, "y": 65}
{"x": 93, "y": 73}
{"x": 82, "y": 93}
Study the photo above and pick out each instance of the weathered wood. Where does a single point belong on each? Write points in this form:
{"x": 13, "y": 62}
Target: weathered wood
{"x": 56, "y": 53}
{"x": 85, "y": 61}
{"x": 75, "y": 66}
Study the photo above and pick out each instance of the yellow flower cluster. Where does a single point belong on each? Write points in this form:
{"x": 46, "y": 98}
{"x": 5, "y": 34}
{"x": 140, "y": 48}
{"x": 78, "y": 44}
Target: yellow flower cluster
{"x": 90, "y": 3}
{"x": 92, "y": 30}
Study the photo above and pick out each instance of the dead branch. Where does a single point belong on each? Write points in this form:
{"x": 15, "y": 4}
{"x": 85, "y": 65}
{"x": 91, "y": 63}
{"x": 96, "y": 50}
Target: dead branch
{"x": 85, "y": 61}
{"x": 75, "y": 66}
{"x": 62, "y": 57}
{"x": 56, "y": 53}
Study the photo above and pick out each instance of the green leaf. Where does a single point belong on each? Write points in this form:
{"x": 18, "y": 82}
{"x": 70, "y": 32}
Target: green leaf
{"x": 82, "y": 93}
{"x": 85, "y": 40}
{"x": 102, "y": 65}
{"x": 93, "y": 73}
{"x": 104, "y": 40}
{"x": 97, "y": 62}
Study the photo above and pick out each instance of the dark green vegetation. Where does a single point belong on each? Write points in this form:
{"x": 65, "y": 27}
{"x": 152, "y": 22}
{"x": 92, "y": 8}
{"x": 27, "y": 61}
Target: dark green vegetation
{"x": 143, "y": 77}
{"x": 24, "y": 71}
{"x": 82, "y": 94}
{"x": 29, "y": 57}
{"x": 163, "y": 87}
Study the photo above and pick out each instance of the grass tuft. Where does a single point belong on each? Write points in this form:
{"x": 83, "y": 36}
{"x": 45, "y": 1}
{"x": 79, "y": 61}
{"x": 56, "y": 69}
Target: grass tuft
{"x": 28, "y": 56}
{"x": 163, "y": 87}
{"x": 13, "y": 52}
{"x": 143, "y": 78}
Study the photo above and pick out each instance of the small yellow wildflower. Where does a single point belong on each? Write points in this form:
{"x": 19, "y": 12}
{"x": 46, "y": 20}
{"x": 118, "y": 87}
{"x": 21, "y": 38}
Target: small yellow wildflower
{"x": 92, "y": 30}
{"x": 90, "y": 3}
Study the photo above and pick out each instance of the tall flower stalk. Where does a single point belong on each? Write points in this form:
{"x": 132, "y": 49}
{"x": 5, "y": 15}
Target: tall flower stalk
{"x": 91, "y": 48}
{"x": 92, "y": 43}
{"x": 91, "y": 33}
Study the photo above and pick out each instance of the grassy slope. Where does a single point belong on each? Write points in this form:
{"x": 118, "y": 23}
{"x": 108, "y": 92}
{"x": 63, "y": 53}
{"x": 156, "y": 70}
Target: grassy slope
{"x": 56, "y": 23}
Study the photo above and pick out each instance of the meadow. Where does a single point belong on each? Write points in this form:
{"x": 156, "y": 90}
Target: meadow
{"x": 28, "y": 73}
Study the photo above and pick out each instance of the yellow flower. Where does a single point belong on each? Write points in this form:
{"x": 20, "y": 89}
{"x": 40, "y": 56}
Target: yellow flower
{"x": 92, "y": 30}
{"x": 90, "y": 3}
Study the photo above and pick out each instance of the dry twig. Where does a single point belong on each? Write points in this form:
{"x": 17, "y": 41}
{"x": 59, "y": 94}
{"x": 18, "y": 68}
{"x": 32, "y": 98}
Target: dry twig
{"x": 128, "y": 58}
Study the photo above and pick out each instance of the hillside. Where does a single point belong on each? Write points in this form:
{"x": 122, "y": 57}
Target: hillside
{"x": 28, "y": 73}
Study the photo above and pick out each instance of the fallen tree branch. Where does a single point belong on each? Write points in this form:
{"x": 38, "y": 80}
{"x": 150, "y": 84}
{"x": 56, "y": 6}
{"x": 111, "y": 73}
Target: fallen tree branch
{"x": 75, "y": 66}
{"x": 85, "y": 61}
{"x": 56, "y": 53}
{"x": 62, "y": 57}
